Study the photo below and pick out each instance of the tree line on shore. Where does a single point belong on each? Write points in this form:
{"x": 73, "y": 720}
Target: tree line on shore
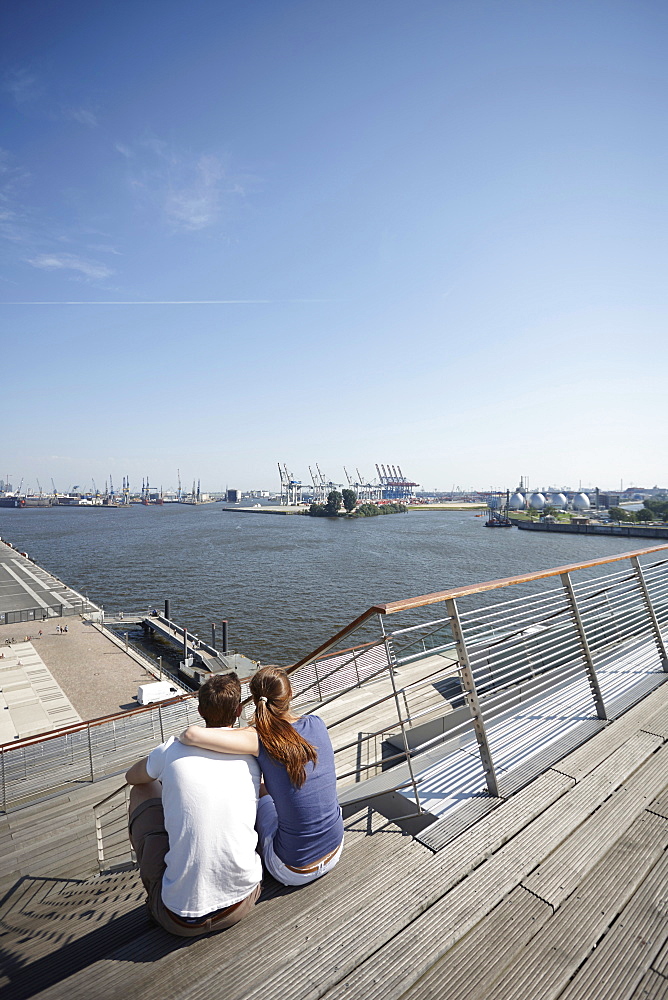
{"x": 655, "y": 509}
{"x": 347, "y": 500}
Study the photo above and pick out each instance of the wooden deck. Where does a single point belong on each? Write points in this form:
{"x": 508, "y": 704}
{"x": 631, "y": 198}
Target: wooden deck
{"x": 558, "y": 892}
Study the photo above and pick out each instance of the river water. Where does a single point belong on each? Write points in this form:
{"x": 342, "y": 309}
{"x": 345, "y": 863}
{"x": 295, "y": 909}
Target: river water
{"x": 285, "y": 584}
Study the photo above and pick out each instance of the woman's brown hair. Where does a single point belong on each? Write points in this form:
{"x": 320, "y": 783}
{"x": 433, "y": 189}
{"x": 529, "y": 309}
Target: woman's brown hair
{"x": 272, "y": 693}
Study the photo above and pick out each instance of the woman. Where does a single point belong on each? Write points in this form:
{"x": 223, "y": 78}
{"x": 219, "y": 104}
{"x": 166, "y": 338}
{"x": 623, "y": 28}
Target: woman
{"x": 299, "y": 821}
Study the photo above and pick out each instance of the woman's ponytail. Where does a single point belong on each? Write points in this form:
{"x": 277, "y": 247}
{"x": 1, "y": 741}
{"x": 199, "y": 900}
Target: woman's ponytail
{"x": 272, "y": 693}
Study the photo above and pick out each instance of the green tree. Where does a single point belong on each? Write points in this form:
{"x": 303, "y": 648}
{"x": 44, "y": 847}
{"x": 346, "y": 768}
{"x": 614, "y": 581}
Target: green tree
{"x": 658, "y": 506}
{"x": 334, "y": 502}
{"x": 619, "y": 514}
{"x": 349, "y": 500}
{"x": 645, "y": 515}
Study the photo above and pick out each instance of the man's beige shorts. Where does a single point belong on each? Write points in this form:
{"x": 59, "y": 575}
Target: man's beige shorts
{"x": 151, "y": 843}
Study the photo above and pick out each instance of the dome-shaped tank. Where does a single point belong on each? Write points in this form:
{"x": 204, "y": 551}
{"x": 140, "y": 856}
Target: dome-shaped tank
{"x": 581, "y": 502}
{"x": 558, "y": 500}
{"x": 517, "y": 502}
{"x": 536, "y": 501}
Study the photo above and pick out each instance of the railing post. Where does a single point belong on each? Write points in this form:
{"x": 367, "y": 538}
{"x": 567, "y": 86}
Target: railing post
{"x": 127, "y": 809}
{"x": 317, "y": 679}
{"x": 90, "y": 755}
{"x": 472, "y": 699}
{"x": 656, "y": 628}
{"x": 162, "y": 733}
{"x": 4, "y": 789}
{"x": 586, "y": 651}
{"x": 99, "y": 839}
{"x": 391, "y": 664}
{"x": 357, "y": 672}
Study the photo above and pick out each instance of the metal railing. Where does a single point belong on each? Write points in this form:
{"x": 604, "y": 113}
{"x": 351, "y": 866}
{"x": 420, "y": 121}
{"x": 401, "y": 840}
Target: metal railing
{"x": 596, "y": 643}
{"x": 39, "y": 767}
{"x": 43, "y": 614}
{"x": 114, "y": 850}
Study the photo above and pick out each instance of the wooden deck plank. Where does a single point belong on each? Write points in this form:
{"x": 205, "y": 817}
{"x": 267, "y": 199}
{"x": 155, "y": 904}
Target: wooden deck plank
{"x": 538, "y": 960}
{"x": 311, "y": 921}
{"x": 409, "y": 954}
{"x": 343, "y": 936}
{"x": 660, "y": 805}
{"x": 652, "y": 986}
{"x": 291, "y": 912}
{"x": 583, "y": 760}
{"x": 561, "y": 946}
{"x": 615, "y": 968}
{"x": 562, "y": 872}
{"x": 470, "y": 969}
{"x": 661, "y": 961}
{"x": 316, "y": 942}
{"x": 61, "y": 919}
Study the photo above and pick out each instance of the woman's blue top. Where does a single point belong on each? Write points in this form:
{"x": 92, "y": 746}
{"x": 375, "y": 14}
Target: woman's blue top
{"x": 309, "y": 818}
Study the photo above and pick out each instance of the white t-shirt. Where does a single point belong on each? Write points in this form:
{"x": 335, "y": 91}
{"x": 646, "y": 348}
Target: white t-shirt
{"x": 210, "y": 803}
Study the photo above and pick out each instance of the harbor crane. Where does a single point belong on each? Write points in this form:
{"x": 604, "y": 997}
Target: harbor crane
{"x": 291, "y": 488}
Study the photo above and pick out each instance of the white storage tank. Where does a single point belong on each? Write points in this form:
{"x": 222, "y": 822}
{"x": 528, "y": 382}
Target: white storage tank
{"x": 517, "y": 502}
{"x": 536, "y": 501}
{"x": 558, "y": 500}
{"x": 581, "y": 502}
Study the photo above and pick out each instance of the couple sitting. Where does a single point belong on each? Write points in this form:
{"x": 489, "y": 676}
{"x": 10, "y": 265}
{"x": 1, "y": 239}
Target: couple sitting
{"x": 198, "y": 807}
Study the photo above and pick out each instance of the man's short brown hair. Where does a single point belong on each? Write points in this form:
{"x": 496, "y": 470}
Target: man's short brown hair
{"x": 219, "y": 699}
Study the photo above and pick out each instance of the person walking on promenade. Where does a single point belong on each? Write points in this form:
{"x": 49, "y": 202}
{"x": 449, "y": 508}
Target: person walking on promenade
{"x": 192, "y": 824}
{"x": 299, "y": 819}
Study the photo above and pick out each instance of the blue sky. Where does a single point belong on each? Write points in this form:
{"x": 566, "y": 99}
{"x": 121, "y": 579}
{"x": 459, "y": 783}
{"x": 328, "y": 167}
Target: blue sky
{"x": 337, "y": 231}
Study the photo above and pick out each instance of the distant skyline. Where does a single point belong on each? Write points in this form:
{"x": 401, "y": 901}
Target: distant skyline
{"x": 425, "y": 232}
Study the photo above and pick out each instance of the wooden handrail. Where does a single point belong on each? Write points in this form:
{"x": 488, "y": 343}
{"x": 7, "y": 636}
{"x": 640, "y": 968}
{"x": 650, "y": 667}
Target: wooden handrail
{"x": 80, "y": 727}
{"x": 478, "y": 588}
{"x": 392, "y": 607}
{"x": 326, "y": 646}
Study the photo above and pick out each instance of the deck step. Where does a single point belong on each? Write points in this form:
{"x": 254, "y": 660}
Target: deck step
{"x": 447, "y": 917}
{"x": 440, "y": 833}
{"x": 525, "y": 949}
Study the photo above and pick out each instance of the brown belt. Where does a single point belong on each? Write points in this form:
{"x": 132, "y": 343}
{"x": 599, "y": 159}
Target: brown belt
{"x": 316, "y": 864}
{"x": 213, "y": 917}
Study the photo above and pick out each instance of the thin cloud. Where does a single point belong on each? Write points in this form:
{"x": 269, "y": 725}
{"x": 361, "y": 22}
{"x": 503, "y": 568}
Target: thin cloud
{"x": 192, "y": 191}
{"x": 104, "y": 248}
{"x": 81, "y": 115}
{"x": 196, "y": 204}
{"x": 70, "y": 262}
{"x": 12, "y": 178}
{"x": 23, "y": 86}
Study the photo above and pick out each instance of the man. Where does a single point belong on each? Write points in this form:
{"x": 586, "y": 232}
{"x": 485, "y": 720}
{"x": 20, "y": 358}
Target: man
{"x": 192, "y": 825}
